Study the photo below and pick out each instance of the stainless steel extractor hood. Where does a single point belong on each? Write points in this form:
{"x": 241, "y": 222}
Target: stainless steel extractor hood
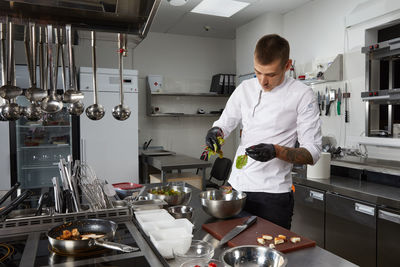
{"x": 123, "y": 16}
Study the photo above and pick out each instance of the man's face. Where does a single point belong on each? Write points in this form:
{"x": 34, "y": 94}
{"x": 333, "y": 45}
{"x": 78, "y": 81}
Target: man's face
{"x": 271, "y": 75}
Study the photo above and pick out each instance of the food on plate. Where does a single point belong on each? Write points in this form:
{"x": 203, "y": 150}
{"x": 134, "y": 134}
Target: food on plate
{"x": 241, "y": 161}
{"x": 214, "y": 151}
{"x": 169, "y": 192}
{"x": 271, "y": 245}
{"x": 75, "y": 235}
{"x": 267, "y": 237}
{"x": 295, "y": 239}
{"x": 278, "y": 240}
{"x": 282, "y": 237}
{"x": 261, "y": 240}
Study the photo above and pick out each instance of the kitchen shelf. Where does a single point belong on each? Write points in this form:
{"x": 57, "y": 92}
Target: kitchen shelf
{"x": 45, "y": 126}
{"x": 189, "y": 94}
{"x": 183, "y": 115}
{"x": 45, "y": 146}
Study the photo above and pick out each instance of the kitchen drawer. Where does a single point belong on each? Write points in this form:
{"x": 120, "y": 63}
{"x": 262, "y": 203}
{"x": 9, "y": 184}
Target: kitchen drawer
{"x": 388, "y": 233}
{"x": 351, "y": 229}
{"x": 309, "y": 213}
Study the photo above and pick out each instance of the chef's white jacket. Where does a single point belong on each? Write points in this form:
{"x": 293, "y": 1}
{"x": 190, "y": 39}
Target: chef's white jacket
{"x": 287, "y": 113}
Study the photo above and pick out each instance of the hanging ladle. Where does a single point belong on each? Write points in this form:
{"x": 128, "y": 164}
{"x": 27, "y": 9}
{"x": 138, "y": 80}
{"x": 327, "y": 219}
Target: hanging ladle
{"x": 52, "y": 103}
{"x": 9, "y": 90}
{"x": 33, "y": 112}
{"x": 95, "y": 111}
{"x": 76, "y": 108}
{"x": 72, "y": 95}
{"x": 121, "y": 112}
{"x": 10, "y": 111}
{"x": 33, "y": 93}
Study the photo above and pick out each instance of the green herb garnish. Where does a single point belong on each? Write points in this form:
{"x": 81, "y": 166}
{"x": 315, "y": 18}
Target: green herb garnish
{"x": 241, "y": 161}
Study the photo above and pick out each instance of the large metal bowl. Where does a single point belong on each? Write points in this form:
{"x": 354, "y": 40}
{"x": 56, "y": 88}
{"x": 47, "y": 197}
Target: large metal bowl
{"x": 220, "y": 205}
{"x": 182, "y": 198}
{"x": 254, "y": 256}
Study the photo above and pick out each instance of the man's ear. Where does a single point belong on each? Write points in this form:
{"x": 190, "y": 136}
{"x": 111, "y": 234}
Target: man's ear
{"x": 288, "y": 65}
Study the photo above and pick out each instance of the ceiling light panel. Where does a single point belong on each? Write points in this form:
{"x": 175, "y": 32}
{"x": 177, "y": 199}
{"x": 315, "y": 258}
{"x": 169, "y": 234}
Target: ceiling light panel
{"x": 221, "y": 8}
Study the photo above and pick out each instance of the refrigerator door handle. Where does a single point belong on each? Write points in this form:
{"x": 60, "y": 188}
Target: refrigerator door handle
{"x": 365, "y": 209}
{"x": 388, "y": 216}
{"x": 317, "y": 195}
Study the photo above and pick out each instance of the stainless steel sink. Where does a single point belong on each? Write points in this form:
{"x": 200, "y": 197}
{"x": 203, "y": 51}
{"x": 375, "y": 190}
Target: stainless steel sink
{"x": 157, "y": 152}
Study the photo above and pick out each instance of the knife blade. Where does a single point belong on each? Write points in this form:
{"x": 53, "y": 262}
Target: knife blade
{"x": 339, "y": 100}
{"x": 237, "y": 230}
{"x": 319, "y": 102}
{"x": 327, "y": 101}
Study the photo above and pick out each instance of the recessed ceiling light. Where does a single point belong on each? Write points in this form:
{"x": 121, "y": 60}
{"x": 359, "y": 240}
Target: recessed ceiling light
{"x": 221, "y": 8}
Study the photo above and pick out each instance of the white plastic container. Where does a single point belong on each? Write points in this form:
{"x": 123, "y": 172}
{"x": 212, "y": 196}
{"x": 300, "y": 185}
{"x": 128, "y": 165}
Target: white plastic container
{"x": 155, "y": 83}
{"x": 170, "y": 241}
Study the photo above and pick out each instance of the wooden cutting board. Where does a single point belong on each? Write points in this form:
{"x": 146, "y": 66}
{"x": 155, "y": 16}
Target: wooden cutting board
{"x": 249, "y": 236}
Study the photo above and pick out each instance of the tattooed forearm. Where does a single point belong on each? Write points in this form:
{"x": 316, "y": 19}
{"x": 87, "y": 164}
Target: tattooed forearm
{"x": 293, "y": 155}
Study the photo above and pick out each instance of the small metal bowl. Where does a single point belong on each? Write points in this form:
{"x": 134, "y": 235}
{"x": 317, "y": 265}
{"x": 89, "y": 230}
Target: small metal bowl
{"x": 120, "y": 203}
{"x": 253, "y": 256}
{"x": 182, "y": 198}
{"x": 182, "y": 211}
{"x": 220, "y": 205}
{"x": 124, "y": 190}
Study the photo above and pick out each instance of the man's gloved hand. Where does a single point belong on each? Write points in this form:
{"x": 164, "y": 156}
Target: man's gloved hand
{"x": 261, "y": 152}
{"x": 211, "y": 138}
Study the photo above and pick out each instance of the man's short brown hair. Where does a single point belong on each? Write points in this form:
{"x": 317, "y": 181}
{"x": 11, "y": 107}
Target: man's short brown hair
{"x": 270, "y": 48}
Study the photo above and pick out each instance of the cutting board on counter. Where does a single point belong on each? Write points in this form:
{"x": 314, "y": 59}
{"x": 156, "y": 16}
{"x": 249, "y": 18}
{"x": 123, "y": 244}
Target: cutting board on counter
{"x": 249, "y": 236}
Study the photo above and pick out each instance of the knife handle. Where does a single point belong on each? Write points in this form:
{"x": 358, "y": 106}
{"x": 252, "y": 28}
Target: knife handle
{"x": 346, "y": 116}
{"x": 328, "y": 105}
{"x": 319, "y": 106}
{"x": 322, "y": 105}
{"x": 338, "y": 107}
{"x": 250, "y": 221}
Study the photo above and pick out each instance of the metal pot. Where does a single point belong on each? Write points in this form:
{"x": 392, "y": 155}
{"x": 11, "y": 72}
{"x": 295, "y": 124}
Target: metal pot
{"x": 95, "y": 226}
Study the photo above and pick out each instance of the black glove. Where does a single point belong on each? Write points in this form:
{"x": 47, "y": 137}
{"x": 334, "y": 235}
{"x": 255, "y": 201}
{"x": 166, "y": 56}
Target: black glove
{"x": 261, "y": 152}
{"x": 211, "y": 138}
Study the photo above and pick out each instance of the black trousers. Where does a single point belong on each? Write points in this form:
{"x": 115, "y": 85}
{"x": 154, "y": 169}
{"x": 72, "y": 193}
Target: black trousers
{"x": 276, "y": 208}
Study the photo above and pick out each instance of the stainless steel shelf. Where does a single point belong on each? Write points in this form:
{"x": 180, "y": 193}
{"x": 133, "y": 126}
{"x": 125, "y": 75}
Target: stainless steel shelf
{"x": 39, "y": 167}
{"x": 189, "y": 94}
{"x": 183, "y": 115}
{"x": 46, "y": 146}
{"x": 45, "y": 126}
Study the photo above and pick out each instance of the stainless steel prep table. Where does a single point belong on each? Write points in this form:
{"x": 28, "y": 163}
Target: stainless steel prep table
{"x": 175, "y": 162}
{"x": 309, "y": 257}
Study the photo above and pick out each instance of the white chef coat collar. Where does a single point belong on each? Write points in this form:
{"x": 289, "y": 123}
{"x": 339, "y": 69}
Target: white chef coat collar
{"x": 261, "y": 91}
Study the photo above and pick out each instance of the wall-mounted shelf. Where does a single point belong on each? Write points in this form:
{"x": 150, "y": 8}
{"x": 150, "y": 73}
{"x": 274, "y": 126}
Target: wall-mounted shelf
{"x": 183, "y": 115}
{"x": 188, "y": 94}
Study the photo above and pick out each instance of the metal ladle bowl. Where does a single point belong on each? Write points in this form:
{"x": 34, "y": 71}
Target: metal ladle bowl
{"x": 11, "y": 111}
{"x": 76, "y": 108}
{"x": 33, "y": 112}
{"x": 9, "y": 91}
{"x": 95, "y": 112}
{"x": 52, "y": 103}
{"x": 121, "y": 112}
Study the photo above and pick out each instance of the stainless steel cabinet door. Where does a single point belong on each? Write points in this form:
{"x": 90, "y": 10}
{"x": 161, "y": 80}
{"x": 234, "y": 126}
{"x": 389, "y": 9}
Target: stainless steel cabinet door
{"x": 351, "y": 229}
{"x": 388, "y": 237}
{"x": 309, "y": 213}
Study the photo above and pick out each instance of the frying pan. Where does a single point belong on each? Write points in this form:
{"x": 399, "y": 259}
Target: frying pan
{"x": 85, "y": 226}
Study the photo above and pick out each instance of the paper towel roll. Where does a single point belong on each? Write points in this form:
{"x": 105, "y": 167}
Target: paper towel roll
{"x": 321, "y": 169}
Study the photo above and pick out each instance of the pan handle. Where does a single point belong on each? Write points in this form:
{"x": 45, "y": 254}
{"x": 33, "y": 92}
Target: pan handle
{"x": 9, "y": 193}
{"x": 112, "y": 245}
{"x": 14, "y": 204}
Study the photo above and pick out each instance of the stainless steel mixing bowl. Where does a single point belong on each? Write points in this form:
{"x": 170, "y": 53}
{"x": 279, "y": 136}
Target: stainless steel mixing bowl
{"x": 220, "y": 205}
{"x": 182, "y": 198}
{"x": 253, "y": 256}
{"x": 181, "y": 211}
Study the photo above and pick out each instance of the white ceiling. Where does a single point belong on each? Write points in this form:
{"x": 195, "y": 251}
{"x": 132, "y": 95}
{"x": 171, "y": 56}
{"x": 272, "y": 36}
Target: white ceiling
{"x": 179, "y": 19}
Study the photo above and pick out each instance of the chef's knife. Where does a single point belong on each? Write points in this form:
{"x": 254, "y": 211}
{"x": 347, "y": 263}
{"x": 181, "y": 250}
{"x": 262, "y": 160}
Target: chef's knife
{"x": 237, "y": 230}
{"x": 339, "y": 100}
{"x": 327, "y": 101}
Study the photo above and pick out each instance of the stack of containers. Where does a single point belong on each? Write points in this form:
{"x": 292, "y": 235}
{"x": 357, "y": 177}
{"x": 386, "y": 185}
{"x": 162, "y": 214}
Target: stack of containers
{"x": 169, "y": 235}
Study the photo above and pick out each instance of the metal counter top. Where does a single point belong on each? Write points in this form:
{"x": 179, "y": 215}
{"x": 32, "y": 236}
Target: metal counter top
{"x": 376, "y": 165}
{"x": 309, "y": 257}
{"x": 374, "y": 193}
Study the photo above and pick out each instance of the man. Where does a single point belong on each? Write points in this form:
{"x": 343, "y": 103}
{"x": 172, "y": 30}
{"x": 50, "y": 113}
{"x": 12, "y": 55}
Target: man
{"x": 274, "y": 111}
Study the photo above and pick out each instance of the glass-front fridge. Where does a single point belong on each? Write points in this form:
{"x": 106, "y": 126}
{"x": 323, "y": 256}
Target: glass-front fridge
{"x": 38, "y": 146}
